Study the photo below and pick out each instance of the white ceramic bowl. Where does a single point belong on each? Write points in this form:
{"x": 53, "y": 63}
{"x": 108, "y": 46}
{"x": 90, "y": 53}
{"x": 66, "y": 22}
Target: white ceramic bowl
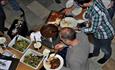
{"x": 37, "y": 45}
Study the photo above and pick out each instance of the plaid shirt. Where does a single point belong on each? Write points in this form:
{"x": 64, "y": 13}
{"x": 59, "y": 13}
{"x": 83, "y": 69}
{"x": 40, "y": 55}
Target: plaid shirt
{"x": 102, "y": 27}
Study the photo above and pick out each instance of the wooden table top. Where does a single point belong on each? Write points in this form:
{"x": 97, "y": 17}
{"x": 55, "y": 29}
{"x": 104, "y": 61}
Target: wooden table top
{"x": 22, "y": 66}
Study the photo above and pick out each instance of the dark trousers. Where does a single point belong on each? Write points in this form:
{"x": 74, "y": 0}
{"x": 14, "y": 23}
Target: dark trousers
{"x": 2, "y": 18}
{"x": 2, "y": 23}
{"x": 104, "y": 45}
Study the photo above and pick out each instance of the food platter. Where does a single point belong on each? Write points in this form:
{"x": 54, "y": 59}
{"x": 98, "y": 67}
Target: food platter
{"x": 32, "y": 58}
{"x": 47, "y": 62}
{"x": 77, "y": 11}
{"x": 68, "y": 22}
{"x": 71, "y": 22}
{"x": 20, "y": 43}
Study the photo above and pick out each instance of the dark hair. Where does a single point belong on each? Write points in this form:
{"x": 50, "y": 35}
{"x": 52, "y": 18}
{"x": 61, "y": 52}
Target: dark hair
{"x": 68, "y": 33}
{"x": 49, "y": 30}
{"x": 81, "y": 2}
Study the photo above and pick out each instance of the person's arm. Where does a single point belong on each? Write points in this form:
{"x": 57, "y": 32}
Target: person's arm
{"x": 111, "y": 3}
{"x": 59, "y": 46}
{"x": 69, "y": 10}
{"x": 96, "y": 20}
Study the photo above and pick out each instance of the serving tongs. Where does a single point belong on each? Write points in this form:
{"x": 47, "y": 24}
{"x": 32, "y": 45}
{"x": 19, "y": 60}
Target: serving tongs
{"x": 55, "y": 53}
{"x": 16, "y": 39}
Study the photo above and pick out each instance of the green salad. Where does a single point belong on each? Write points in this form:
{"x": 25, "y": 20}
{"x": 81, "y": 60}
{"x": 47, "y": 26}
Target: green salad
{"x": 21, "y": 45}
{"x": 32, "y": 60}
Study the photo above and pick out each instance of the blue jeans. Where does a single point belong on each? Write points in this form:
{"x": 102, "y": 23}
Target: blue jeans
{"x": 14, "y": 5}
{"x": 104, "y": 45}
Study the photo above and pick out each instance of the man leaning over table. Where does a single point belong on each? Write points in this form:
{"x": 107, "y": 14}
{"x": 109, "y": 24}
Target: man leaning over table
{"x": 78, "y": 49}
{"x": 102, "y": 28}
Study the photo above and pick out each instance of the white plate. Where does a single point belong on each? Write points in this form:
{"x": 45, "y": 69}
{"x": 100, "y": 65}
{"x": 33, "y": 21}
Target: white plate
{"x": 81, "y": 21}
{"x": 68, "y": 22}
{"x": 84, "y": 15}
{"x": 77, "y": 11}
{"x": 71, "y": 22}
{"x": 46, "y": 66}
{"x": 69, "y": 3}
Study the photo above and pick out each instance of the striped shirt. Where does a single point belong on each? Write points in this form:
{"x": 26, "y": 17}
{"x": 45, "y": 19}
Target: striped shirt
{"x": 101, "y": 27}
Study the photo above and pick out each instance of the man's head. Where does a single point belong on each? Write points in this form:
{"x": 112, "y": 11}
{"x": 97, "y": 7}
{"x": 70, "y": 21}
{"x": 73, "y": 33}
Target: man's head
{"x": 83, "y": 3}
{"x": 67, "y": 35}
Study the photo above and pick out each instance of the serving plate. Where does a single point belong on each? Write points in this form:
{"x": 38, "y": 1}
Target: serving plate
{"x": 68, "y": 22}
{"x": 71, "y": 22}
{"x": 32, "y": 62}
{"x": 77, "y": 11}
{"x": 47, "y": 66}
{"x": 17, "y": 40}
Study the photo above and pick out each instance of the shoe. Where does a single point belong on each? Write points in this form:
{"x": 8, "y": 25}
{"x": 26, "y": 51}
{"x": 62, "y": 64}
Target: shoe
{"x": 102, "y": 61}
{"x": 5, "y": 29}
{"x": 58, "y": 1}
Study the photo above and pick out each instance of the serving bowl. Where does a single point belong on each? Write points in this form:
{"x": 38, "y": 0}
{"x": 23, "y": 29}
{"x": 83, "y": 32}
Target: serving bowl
{"x": 32, "y": 58}
{"x": 19, "y": 43}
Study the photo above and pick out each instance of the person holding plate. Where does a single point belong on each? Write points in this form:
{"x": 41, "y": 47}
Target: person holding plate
{"x": 102, "y": 28}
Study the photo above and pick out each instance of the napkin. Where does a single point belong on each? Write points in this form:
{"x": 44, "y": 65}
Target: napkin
{"x": 5, "y": 64}
{"x": 35, "y": 36}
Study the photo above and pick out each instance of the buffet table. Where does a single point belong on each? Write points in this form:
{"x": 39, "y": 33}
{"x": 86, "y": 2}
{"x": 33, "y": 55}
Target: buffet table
{"x": 18, "y": 55}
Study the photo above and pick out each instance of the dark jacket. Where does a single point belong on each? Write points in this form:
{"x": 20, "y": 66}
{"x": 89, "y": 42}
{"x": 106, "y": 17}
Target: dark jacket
{"x": 2, "y": 17}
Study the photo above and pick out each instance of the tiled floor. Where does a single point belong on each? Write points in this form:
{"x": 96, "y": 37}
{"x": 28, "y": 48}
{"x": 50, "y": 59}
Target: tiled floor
{"x": 36, "y": 13}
